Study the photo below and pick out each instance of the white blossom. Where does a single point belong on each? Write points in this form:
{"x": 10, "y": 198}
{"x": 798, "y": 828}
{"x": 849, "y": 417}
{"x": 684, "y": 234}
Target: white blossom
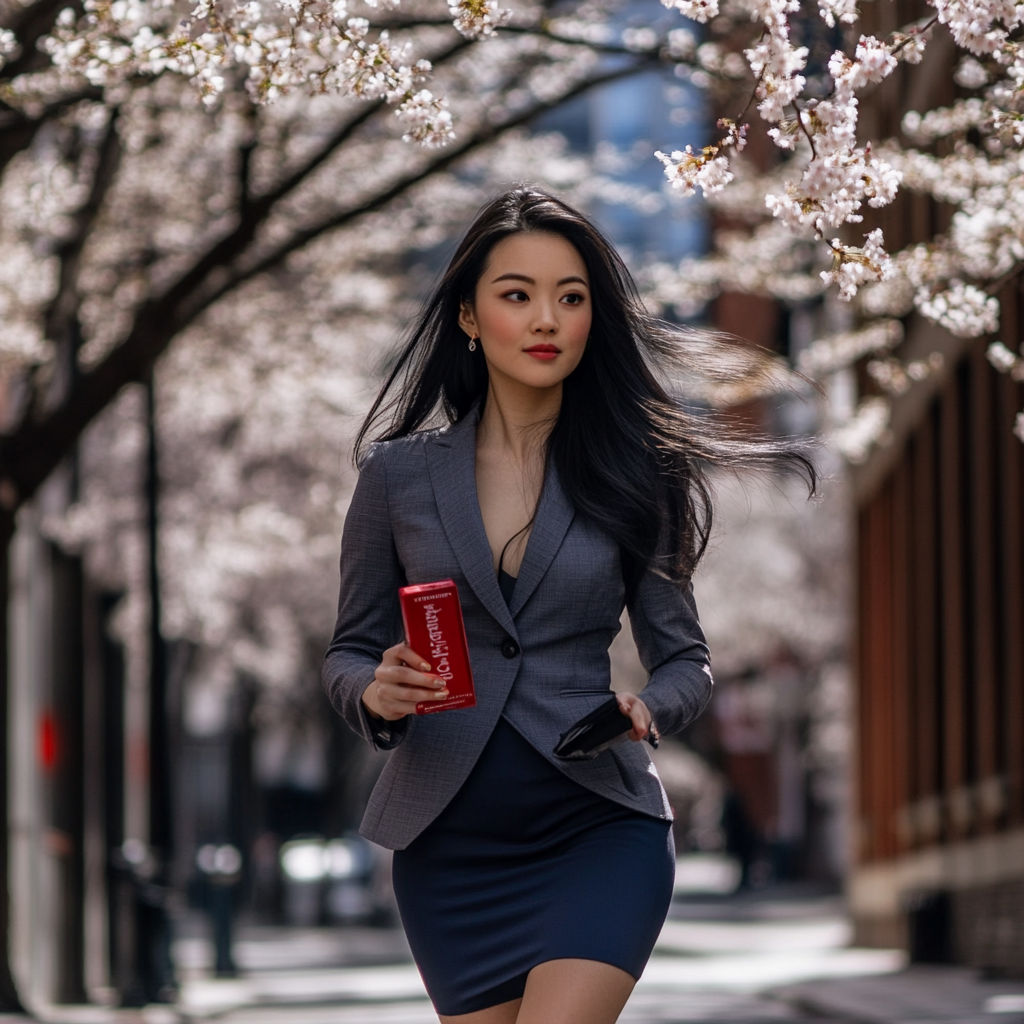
{"x": 1011, "y": 123}
{"x": 280, "y": 47}
{"x": 1001, "y": 357}
{"x": 897, "y": 378}
{"x": 980, "y": 26}
{"x": 838, "y": 351}
{"x": 872, "y": 62}
{"x": 840, "y": 175}
{"x": 21, "y": 346}
{"x": 8, "y": 45}
{"x": 970, "y": 74}
{"x": 852, "y": 266}
{"x": 836, "y": 176}
{"x": 768, "y": 262}
{"x": 682, "y": 44}
{"x": 1006, "y": 361}
{"x": 944, "y": 121}
{"x": 428, "y": 119}
{"x": 640, "y": 39}
{"x": 687, "y": 170}
{"x": 868, "y": 426}
{"x": 833, "y": 11}
{"x": 911, "y": 46}
{"x": 833, "y": 176}
{"x": 476, "y": 19}
{"x": 696, "y": 10}
{"x": 963, "y": 309}
{"x": 775, "y": 63}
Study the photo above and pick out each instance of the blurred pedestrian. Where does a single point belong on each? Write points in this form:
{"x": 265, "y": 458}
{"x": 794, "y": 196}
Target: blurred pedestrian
{"x": 220, "y": 867}
{"x": 567, "y": 484}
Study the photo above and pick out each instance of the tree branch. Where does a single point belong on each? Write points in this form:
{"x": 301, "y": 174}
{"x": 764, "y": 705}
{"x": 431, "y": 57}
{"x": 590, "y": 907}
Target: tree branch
{"x": 64, "y": 307}
{"x": 224, "y": 252}
{"x": 533, "y": 29}
{"x": 444, "y": 159}
{"x": 995, "y": 287}
{"x": 245, "y": 155}
{"x": 17, "y": 130}
{"x": 261, "y": 205}
{"x": 398, "y": 24}
{"x": 545, "y": 33}
{"x": 483, "y": 136}
{"x": 34, "y": 450}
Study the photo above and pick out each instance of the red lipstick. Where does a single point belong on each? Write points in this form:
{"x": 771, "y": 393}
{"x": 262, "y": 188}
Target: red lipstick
{"x": 543, "y": 351}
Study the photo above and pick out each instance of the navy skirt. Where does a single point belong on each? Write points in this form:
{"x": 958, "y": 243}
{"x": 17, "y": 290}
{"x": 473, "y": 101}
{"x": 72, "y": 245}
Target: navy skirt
{"x": 524, "y": 866}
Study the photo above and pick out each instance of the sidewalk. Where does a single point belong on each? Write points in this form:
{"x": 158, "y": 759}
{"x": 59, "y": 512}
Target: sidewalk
{"x": 775, "y": 959}
{"x": 950, "y": 995}
{"x": 391, "y": 995}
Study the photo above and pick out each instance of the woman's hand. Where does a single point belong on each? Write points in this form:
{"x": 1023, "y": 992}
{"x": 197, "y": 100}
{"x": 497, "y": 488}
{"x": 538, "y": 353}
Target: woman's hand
{"x": 400, "y": 682}
{"x": 636, "y": 710}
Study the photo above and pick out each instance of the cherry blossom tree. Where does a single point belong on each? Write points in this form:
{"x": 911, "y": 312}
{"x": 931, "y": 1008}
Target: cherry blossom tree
{"x": 166, "y": 170}
{"x": 274, "y": 51}
{"x": 791, "y": 227}
{"x": 146, "y": 187}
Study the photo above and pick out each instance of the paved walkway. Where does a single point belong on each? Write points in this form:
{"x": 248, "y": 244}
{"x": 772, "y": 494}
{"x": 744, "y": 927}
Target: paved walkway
{"x": 949, "y": 995}
{"x": 392, "y": 995}
{"x": 714, "y": 961}
{"x": 756, "y": 962}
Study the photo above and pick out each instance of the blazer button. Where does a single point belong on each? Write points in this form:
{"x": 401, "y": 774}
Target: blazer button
{"x": 509, "y": 647}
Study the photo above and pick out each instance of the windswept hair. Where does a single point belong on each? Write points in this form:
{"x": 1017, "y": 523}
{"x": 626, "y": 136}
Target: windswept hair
{"x": 629, "y": 455}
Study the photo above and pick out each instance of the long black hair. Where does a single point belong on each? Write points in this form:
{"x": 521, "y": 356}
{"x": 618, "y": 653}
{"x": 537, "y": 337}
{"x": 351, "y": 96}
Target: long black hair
{"x": 630, "y": 457}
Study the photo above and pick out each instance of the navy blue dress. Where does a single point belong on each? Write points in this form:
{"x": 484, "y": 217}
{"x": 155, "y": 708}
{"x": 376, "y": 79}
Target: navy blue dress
{"x": 524, "y": 866}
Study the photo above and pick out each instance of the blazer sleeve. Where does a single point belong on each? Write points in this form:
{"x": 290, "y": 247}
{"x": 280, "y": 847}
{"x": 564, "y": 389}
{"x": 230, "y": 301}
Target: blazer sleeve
{"x": 663, "y": 617}
{"x": 369, "y": 615}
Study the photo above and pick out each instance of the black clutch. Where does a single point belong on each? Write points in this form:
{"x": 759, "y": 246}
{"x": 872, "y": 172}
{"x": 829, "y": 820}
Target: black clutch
{"x": 605, "y": 726}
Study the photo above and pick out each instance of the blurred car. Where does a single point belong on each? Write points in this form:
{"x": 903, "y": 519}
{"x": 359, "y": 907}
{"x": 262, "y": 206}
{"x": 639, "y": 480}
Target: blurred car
{"x": 336, "y": 881}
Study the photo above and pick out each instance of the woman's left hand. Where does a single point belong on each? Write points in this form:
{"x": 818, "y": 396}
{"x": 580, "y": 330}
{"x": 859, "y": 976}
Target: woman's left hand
{"x": 632, "y": 706}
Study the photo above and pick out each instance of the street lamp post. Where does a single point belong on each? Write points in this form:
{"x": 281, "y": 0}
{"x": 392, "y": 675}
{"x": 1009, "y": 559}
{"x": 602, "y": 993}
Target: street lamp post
{"x": 155, "y": 981}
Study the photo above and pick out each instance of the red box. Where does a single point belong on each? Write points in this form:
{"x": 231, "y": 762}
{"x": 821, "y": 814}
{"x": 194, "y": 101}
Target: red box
{"x": 434, "y": 629}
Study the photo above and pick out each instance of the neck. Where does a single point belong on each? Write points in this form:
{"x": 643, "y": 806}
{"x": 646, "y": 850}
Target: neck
{"x": 518, "y": 418}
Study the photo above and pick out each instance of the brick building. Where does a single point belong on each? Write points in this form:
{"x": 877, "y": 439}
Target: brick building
{"x": 939, "y": 858}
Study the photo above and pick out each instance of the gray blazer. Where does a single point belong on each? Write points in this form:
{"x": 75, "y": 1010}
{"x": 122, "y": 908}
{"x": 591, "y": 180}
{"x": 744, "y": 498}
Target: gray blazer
{"x": 543, "y": 662}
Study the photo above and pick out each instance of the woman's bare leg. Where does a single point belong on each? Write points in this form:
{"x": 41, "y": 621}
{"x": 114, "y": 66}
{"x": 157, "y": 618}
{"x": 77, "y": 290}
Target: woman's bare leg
{"x": 574, "y": 992}
{"x": 503, "y": 1013}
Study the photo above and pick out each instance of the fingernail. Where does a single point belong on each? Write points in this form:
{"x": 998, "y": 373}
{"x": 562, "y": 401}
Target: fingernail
{"x": 424, "y": 667}
{"x": 443, "y": 693}
{"x": 438, "y": 685}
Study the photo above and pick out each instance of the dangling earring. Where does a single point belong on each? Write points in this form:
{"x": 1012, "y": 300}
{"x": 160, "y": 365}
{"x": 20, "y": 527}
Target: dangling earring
{"x": 472, "y": 344}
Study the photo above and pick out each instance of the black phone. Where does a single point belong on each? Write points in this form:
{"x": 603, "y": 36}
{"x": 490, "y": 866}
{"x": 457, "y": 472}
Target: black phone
{"x": 595, "y": 732}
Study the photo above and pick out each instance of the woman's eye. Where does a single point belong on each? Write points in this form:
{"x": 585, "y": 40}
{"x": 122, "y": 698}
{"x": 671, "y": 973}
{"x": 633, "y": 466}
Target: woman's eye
{"x": 516, "y": 296}
{"x": 573, "y": 299}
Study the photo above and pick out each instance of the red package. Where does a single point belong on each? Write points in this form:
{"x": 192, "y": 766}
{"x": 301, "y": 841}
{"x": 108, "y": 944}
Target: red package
{"x": 434, "y": 629}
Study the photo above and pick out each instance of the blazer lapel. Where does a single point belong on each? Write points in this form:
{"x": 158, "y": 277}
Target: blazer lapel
{"x": 451, "y": 463}
{"x": 554, "y": 514}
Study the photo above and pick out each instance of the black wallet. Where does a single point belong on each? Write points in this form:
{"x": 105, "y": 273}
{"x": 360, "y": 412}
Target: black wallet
{"x": 605, "y": 726}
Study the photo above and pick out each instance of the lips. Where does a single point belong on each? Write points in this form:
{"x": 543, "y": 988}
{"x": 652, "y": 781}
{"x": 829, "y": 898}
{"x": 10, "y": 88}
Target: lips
{"x": 543, "y": 351}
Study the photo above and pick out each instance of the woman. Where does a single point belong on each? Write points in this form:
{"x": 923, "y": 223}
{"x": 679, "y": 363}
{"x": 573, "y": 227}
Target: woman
{"x": 566, "y": 485}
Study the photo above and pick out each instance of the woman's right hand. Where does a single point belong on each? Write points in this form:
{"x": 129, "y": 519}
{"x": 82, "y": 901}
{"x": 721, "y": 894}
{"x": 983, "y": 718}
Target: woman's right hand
{"x": 400, "y": 682}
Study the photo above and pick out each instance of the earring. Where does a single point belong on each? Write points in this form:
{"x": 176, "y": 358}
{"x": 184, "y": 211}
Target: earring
{"x": 472, "y": 344}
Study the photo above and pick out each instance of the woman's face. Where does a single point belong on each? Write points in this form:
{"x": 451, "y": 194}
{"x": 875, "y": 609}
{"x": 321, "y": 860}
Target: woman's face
{"x": 532, "y": 310}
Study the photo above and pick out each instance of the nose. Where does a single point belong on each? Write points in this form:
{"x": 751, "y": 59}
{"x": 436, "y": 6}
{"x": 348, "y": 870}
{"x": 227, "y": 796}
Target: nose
{"x": 546, "y": 322}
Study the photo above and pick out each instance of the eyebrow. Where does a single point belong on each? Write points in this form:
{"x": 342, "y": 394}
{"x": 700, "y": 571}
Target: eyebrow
{"x": 530, "y": 280}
